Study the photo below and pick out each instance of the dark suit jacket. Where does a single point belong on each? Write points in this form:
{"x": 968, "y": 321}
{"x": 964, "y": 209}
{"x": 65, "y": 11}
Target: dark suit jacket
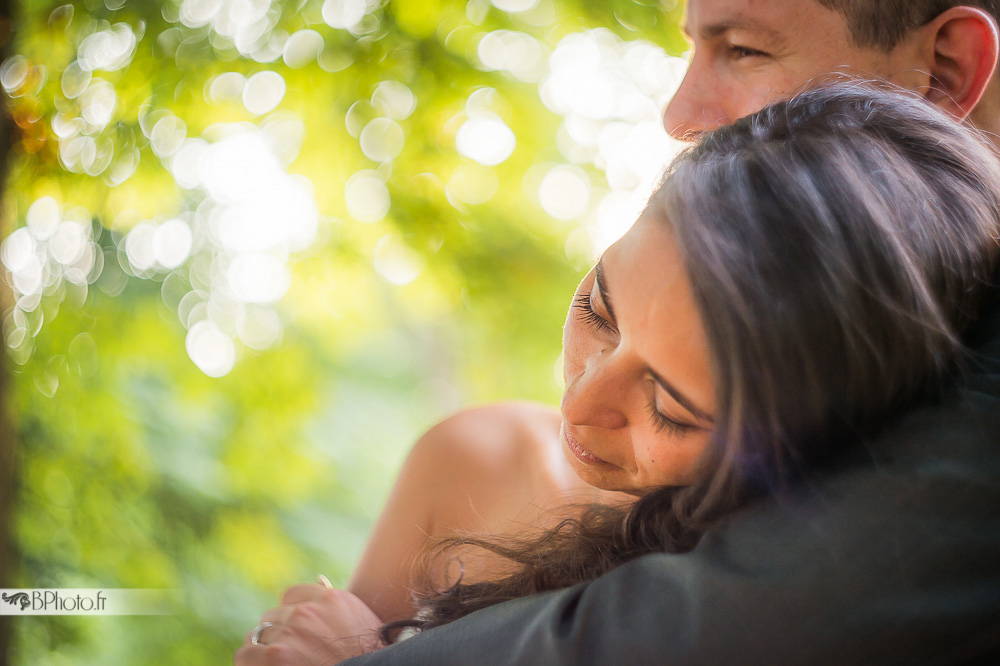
{"x": 894, "y": 558}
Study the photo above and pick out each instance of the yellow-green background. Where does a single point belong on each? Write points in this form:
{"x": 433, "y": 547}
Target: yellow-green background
{"x": 141, "y": 472}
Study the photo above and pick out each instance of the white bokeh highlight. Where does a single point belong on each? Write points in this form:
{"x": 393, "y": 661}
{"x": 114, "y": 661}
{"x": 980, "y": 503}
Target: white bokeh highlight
{"x": 486, "y": 139}
{"x": 234, "y": 248}
{"x": 263, "y": 92}
{"x": 515, "y": 53}
{"x": 247, "y": 217}
{"x": 565, "y": 192}
{"x": 210, "y": 349}
{"x": 107, "y": 50}
{"x": 610, "y": 93}
{"x": 344, "y": 14}
{"x": 248, "y": 25}
{"x": 382, "y": 140}
{"x": 55, "y": 252}
{"x": 367, "y": 197}
{"x": 396, "y": 262}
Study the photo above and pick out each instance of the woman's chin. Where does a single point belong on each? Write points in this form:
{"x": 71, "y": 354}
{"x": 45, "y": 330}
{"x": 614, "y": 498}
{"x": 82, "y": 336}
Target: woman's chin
{"x": 599, "y": 475}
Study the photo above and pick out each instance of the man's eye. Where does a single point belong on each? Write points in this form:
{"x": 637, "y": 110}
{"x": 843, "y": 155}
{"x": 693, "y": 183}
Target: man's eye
{"x": 742, "y": 52}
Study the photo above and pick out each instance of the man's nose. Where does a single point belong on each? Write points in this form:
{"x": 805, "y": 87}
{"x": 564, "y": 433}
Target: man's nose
{"x": 692, "y": 110}
{"x": 595, "y": 397}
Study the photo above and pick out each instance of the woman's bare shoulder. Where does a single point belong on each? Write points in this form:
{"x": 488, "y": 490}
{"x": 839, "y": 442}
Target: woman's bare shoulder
{"x": 496, "y": 431}
{"x": 495, "y": 460}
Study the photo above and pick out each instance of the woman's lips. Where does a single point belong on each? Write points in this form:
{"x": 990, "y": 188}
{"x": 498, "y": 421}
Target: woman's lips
{"x": 580, "y": 452}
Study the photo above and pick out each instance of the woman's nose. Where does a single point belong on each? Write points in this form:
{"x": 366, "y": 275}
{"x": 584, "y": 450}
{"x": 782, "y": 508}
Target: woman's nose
{"x": 595, "y": 397}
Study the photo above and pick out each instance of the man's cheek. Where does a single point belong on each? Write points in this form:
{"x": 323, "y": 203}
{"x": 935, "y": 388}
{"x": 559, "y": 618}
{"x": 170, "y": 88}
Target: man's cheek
{"x": 752, "y": 89}
{"x": 735, "y": 97}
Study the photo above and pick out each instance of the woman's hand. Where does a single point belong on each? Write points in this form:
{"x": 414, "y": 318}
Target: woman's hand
{"x": 315, "y": 624}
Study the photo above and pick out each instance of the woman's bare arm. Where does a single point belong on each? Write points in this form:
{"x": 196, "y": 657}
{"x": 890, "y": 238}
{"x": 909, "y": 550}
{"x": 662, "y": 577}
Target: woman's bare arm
{"x": 473, "y": 472}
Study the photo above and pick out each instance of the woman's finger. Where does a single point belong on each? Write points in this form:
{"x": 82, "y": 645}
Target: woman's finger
{"x": 296, "y": 594}
{"x": 269, "y": 655}
{"x": 266, "y": 630}
{"x": 328, "y": 626}
{"x": 276, "y": 616}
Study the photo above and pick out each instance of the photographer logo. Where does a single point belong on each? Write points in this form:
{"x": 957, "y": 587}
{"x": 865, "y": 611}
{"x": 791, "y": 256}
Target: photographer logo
{"x": 19, "y": 598}
{"x": 85, "y": 602}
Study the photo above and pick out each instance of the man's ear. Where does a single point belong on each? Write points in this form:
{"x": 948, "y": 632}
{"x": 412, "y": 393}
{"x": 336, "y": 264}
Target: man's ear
{"x": 965, "y": 44}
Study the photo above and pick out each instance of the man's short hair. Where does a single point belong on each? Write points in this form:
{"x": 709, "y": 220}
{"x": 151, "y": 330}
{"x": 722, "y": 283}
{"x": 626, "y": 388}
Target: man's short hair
{"x": 883, "y": 23}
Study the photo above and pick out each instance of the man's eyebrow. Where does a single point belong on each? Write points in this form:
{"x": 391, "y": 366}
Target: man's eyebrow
{"x": 719, "y": 28}
{"x": 602, "y": 286}
{"x": 681, "y": 399}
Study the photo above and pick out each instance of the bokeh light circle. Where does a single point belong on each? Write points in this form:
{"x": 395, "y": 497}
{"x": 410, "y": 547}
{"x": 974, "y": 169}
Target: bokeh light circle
{"x": 514, "y": 6}
{"x": 565, "y": 192}
{"x": 263, "y": 92}
{"x": 382, "y": 140}
{"x": 396, "y": 262}
{"x": 210, "y": 349}
{"x": 486, "y": 139}
{"x": 344, "y": 14}
{"x": 302, "y": 48}
{"x": 43, "y": 217}
{"x": 367, "y": 197}
{"x": 394, "y": 100}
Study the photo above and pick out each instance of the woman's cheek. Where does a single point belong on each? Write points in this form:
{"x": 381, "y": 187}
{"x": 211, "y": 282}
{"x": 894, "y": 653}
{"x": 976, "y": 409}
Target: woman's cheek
{"x": 571, "y": 349}
{"x": 673, "y": 462}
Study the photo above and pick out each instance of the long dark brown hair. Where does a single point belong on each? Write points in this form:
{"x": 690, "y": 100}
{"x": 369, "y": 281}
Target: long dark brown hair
{"x": 839, "y": 246}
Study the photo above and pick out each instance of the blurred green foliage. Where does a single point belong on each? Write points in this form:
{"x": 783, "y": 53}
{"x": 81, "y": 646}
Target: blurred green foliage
{"x": 137, "y": 470}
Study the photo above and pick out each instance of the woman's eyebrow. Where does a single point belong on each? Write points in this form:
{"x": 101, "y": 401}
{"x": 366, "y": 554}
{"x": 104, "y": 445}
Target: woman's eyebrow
{"x": 682, "y": 400}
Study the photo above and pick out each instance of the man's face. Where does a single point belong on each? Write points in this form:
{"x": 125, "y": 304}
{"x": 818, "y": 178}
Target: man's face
{"x": 750, "y": 53}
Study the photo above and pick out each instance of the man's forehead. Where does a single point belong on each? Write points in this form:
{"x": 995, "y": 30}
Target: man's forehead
{"x": 707, "y": 19}
{"x": 724, "y": 24}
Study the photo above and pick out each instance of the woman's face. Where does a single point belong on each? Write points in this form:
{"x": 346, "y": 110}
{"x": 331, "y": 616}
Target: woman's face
{"x": 639, "y": 401}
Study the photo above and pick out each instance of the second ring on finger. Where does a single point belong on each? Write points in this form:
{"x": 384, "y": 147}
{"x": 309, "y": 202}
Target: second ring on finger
{"x": 258, "y": 631}
{"x": 265, "y": 632}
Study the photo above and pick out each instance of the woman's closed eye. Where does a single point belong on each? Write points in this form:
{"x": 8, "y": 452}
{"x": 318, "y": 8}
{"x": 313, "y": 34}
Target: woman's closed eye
{"x": 664, "y": 423}
{"x": 586, "y": 313}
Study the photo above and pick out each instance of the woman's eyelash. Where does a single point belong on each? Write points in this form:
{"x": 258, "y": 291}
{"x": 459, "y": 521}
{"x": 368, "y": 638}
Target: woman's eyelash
{"x": 586, "y": 313}
{"x": 664, "y": 423}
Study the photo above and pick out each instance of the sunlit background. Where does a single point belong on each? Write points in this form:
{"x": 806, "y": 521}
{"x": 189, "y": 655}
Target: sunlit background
{"x": 253, "y": 248}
